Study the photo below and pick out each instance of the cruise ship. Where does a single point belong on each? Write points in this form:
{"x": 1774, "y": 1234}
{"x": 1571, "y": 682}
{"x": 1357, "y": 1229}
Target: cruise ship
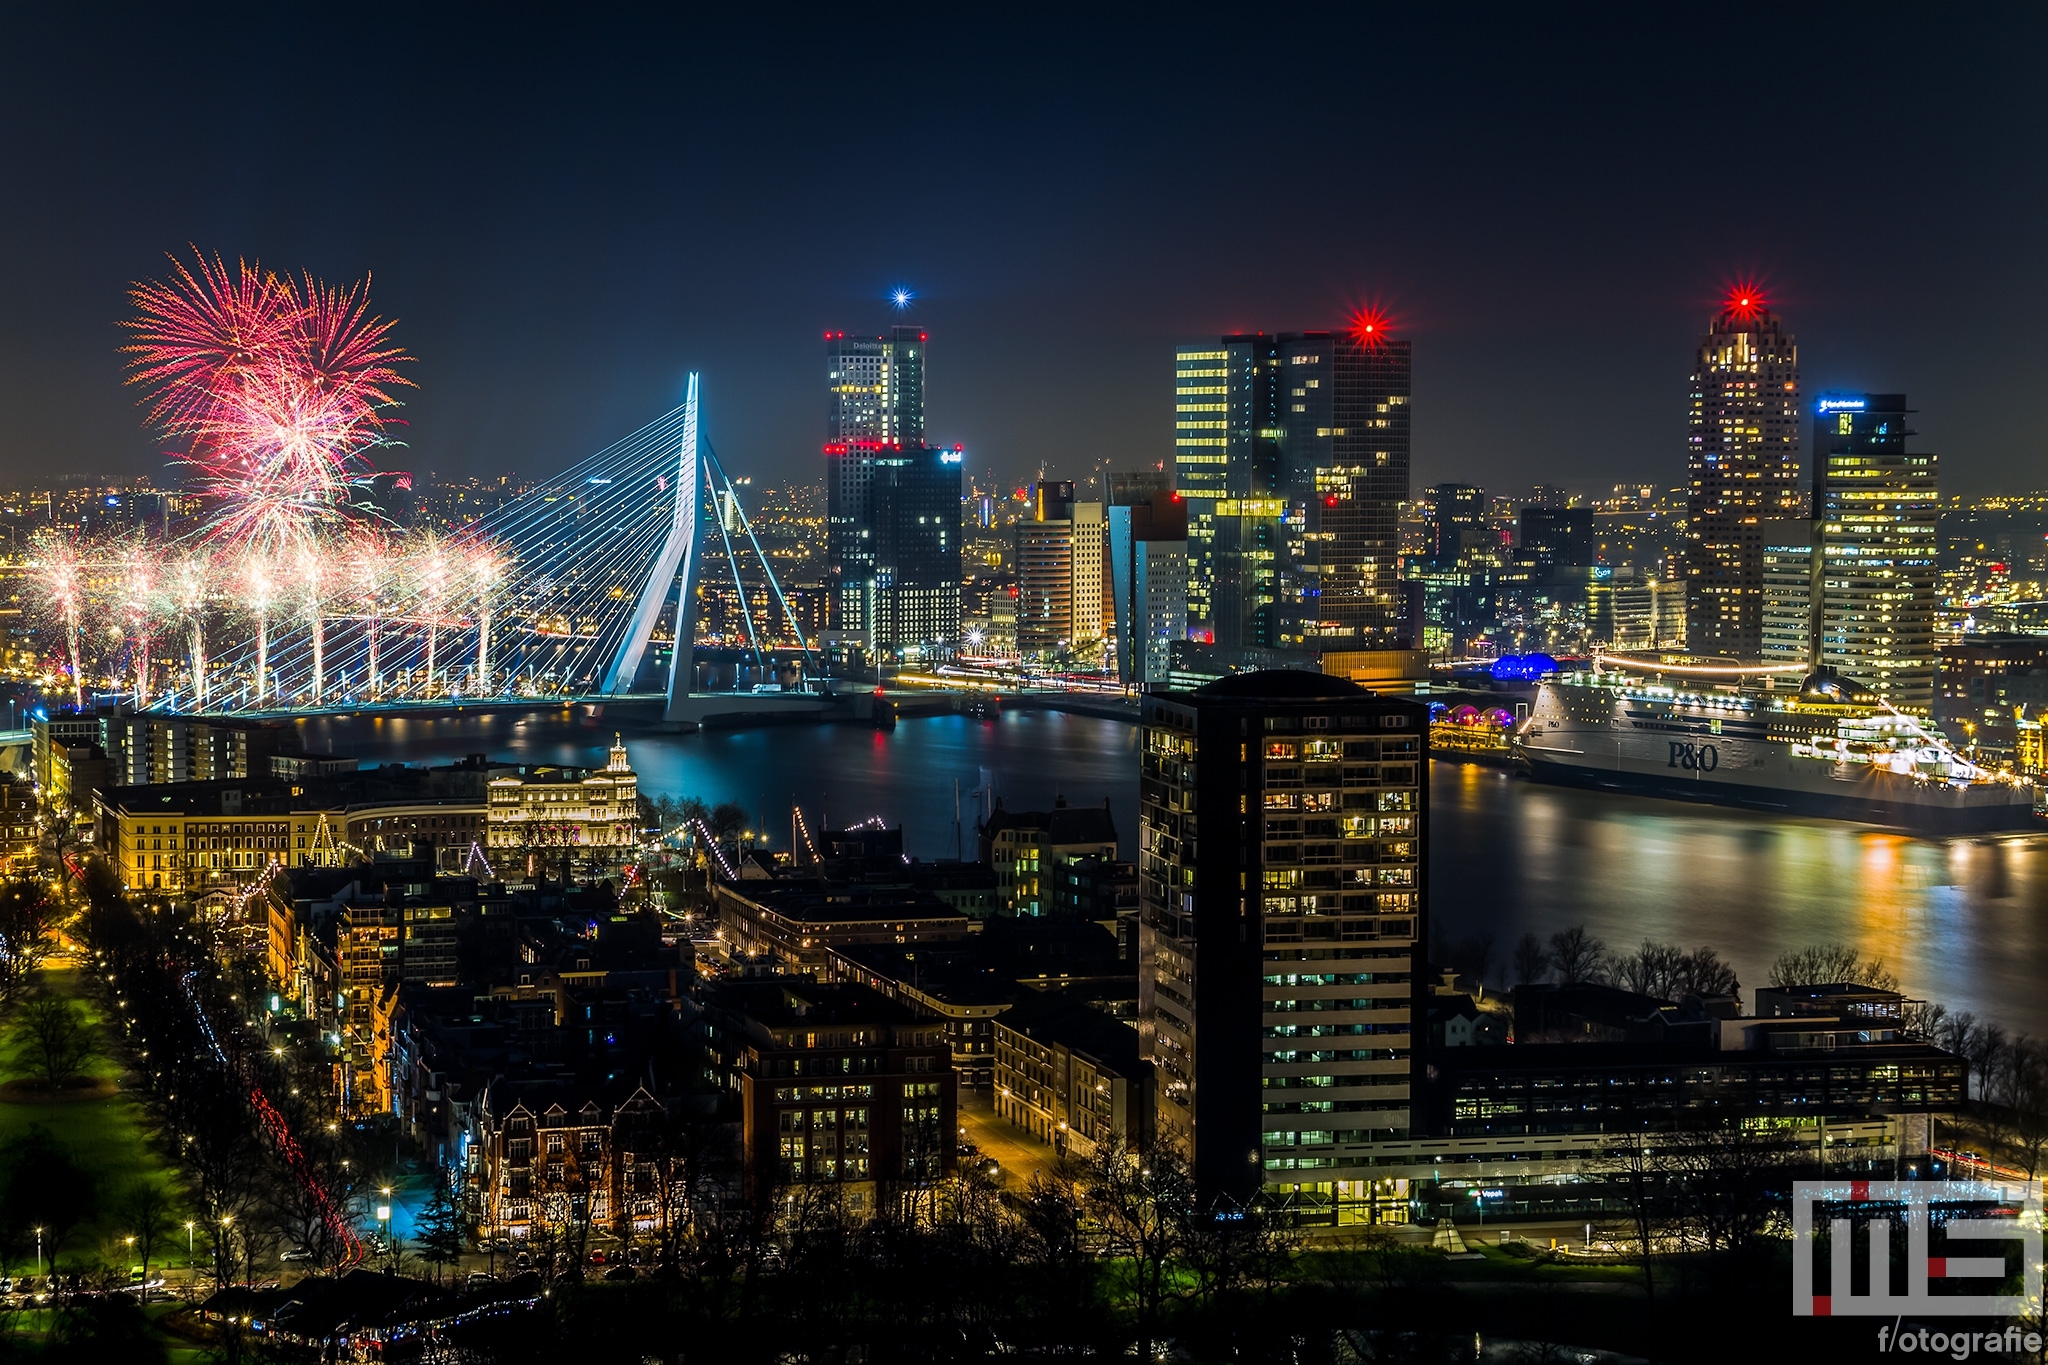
{"x": 1819, "y": 746}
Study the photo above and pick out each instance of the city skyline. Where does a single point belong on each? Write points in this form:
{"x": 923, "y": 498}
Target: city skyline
{"x": 546, "y": 328}
{"x": 913, "y": 721}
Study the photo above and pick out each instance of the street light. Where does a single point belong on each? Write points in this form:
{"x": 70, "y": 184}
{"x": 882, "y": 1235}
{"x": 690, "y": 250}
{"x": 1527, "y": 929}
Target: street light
{"x": 191, "y": 1263}
{"x": 39, "y": 1251}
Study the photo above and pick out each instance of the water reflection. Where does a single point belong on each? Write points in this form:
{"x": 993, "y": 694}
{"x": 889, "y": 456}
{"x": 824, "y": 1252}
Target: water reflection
{"x": 1959, "y": 919}
{"x": 840, "y": 773}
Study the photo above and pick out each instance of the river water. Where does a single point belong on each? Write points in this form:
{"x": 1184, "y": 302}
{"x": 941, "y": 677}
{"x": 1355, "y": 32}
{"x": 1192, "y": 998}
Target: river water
{"x": 1961, "y": 920}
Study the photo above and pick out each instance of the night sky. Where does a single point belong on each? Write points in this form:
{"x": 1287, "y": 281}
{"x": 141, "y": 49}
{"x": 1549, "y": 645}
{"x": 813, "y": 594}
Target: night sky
{"x": 570, "y": 209}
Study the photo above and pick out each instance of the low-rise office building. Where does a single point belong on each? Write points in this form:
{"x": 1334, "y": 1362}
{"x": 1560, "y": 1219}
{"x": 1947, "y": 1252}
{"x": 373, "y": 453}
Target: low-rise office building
{"x": 1804, "y": 1069}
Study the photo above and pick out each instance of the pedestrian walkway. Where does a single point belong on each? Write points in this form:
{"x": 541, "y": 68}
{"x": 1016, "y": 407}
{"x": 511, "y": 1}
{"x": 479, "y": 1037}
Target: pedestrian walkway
{"x": 1019, "y": 1155}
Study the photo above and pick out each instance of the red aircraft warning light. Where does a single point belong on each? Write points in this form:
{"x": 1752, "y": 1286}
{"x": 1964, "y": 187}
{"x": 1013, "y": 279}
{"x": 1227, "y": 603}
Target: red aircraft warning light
{"x": 1369, "y": 325}
{"x": 1745, "y": 301}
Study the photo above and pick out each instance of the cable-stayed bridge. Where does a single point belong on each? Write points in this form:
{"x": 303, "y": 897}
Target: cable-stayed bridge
{"x": 565, "y": 592}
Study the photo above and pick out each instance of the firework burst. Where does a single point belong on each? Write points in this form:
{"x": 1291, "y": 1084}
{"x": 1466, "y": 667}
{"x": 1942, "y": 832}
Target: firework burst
{"x": 275, "y": 389}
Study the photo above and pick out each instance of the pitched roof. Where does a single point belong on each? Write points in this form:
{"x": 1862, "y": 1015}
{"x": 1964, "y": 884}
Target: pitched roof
{"x": 1063, "y": 824}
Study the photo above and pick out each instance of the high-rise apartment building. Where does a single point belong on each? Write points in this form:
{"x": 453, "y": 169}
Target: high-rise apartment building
{"x": 1281, "y": 884}
{"x": 1875, "y": 574}
{"x": 1094, "y": 617}
{"x": 1743, "y": 462}
{"x": 1045, "y": 571}
{"x": 1062, "y": 552}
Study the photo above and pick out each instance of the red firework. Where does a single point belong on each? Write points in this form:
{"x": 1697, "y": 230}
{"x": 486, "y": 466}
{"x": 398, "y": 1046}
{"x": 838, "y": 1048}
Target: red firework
{"x": 201, "y": 334}
{"x": 276, "y": 390}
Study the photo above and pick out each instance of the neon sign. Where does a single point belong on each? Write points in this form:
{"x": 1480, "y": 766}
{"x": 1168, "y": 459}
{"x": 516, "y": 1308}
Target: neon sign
{"x": 1841, "y": 404}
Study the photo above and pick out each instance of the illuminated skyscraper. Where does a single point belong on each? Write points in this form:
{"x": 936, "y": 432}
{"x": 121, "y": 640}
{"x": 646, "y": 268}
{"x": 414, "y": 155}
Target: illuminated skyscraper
{"x": 1201, "y": 405}
{"x": 876, "y": 406}
{"x": 915, "y": 520}
{"x": 877, "y": 387}
{"x": 1456, "y": 519}
{"x": 1743, "y": 462}
{"x": 1148, "y": 551}
{"x": 1346, "y": 452}
{"x": 1062, "y": 549}
{"x": 1874, "y": 525}
{"x": 1292, "y": 452}
{"x": 1282, "y": 918}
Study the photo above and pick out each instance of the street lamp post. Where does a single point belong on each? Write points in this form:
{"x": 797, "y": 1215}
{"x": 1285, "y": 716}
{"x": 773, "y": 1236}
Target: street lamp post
{"x": 191, "y": 1264}
{"x": 39, "y": 1251}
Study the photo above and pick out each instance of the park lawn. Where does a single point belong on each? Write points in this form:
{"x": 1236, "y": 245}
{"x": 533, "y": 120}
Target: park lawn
{"x": 107, "y": 1136}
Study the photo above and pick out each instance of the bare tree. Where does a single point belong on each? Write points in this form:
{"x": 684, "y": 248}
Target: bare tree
{"x": 1138, "y": 1203}
{"x": 1472, "y": 958}
{"x": 58, "y": 1039}
{"x": 25, "y": 917}
{"x": 1532, "y": 961}
{"x": 1987, "y": 1045}
{"x": 146, "y": 1212}
{"x": 1650, "y": 970}
{"x": 2024, "y": 1090}
{"x": 1668, "y": 972}
{"x": 1640, "y": 1170}
{"x": 1577, "y": 955}
{"x": 1702, "y": 972}
{"x": 1923, "y": 1020}
{"x": 1727, "y": 1179}
{"x": 1822, "y": 964}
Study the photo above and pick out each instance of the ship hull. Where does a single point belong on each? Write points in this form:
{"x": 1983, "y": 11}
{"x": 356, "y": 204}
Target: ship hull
{"x": 1863, "y": 807}
{"x": 1722, "y": 755}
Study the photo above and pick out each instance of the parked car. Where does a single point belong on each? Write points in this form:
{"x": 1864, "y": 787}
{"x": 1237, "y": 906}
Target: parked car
{"x": 622, "y": 1272}
{"x": 597, "y": 1258}
{"x": 524, "y": 1260}
{"x": 478, "y": 1279}
{"x": 296, "y": 1254}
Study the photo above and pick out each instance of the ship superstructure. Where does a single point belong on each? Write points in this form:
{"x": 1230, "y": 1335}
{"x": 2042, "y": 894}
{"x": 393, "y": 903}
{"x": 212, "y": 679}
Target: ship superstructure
{"x": 1770, "y": 739}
